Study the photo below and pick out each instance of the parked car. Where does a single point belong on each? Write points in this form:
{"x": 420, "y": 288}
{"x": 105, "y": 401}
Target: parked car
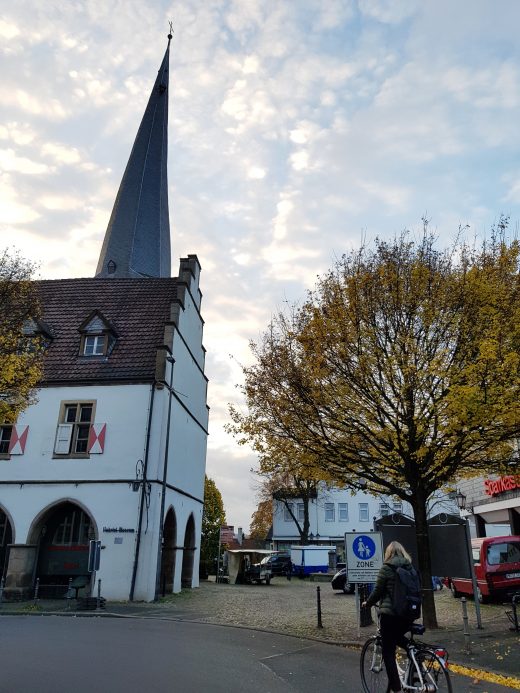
{"x": 497, "y": 568}
{"x": 279, "y": 563}
{"x": 339, "y": 582}
{"x": 437, "y": 583}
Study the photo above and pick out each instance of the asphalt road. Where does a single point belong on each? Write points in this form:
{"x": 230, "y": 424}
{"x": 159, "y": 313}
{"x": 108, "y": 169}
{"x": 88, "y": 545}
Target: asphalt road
{"x": 47, "y": 654}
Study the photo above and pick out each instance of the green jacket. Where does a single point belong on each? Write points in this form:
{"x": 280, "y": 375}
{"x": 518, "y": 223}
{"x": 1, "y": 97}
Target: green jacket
{"x": 384, "y": 586}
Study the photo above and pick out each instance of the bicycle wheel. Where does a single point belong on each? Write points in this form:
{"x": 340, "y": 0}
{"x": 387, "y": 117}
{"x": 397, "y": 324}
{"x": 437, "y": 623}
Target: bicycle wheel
{"x": 435, "y": 674}
{"x": 372, "y": 668}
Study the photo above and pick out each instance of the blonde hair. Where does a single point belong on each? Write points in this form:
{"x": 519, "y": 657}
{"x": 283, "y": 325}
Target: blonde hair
{"x": 394, "y": 548}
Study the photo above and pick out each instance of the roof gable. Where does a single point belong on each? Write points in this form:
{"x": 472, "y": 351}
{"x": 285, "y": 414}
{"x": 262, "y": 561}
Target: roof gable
{"x": 96, "y": 322}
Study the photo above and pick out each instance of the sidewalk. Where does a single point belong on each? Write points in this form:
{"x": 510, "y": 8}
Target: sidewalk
{"x": 290, "y": 607}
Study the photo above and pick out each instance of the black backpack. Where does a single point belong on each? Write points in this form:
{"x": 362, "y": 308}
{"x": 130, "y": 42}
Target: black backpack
{"x": 406, "y": 596}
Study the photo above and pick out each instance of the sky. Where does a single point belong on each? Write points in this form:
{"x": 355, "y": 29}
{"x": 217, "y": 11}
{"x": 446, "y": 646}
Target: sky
{"x": 297, "y": 128}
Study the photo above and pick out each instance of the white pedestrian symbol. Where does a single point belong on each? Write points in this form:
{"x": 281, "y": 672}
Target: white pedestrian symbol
{"x": 362, "y": 550}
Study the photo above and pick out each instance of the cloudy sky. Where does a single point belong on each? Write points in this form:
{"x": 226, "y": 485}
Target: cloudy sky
{"x": 297, "y": 127}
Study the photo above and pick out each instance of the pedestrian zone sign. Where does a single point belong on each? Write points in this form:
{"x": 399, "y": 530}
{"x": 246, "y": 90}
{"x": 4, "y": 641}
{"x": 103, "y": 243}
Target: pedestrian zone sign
{"x": 364, "y": 553}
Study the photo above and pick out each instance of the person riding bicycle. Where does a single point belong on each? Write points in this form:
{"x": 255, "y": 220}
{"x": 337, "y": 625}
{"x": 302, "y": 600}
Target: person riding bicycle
{"x": 393, "y": 627}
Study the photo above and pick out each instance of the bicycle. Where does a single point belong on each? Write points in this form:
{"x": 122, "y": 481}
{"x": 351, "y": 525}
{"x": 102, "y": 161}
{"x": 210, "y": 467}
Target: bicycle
{"x": 425, "y": 670}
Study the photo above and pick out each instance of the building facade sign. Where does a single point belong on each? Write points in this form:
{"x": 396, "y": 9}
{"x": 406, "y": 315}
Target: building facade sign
{"x": 493, "y": 487}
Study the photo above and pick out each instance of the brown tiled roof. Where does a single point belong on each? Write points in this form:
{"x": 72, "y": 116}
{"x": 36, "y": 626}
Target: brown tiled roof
{"x": 137, "y": 308}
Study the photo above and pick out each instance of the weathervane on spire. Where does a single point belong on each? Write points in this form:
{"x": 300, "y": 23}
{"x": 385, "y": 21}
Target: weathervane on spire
{"x": 170, "y": 35}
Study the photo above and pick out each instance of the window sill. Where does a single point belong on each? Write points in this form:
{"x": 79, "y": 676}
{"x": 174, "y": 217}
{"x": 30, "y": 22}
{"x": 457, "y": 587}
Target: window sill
{"x": 77, "y": 456}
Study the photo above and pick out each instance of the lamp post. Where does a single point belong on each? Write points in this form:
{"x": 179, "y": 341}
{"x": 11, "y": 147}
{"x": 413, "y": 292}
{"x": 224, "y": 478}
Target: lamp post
{"x": 461, "y": 504}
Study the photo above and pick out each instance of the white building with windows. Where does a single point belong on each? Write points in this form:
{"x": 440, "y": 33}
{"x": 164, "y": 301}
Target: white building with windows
{"x": 333, "y": 512}
{"x": 114, "y": 449}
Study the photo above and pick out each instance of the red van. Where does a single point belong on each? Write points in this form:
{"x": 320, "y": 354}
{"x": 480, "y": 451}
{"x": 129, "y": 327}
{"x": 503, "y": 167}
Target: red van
{"x": 497, "y": 569}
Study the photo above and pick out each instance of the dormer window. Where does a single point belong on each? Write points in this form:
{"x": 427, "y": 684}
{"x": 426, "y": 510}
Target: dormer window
{"x": 98, "y": 336}
{"x": 94, "y": 345}
{"x": 36, "y": 335}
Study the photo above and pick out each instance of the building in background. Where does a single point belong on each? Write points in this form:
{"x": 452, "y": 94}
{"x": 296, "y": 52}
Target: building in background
{"x": 493, "y": 504}
{"x": 114, "y": 449}
{"x": 335, "y": 511}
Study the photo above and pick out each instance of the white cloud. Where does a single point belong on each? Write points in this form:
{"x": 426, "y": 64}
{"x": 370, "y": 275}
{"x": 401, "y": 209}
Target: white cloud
{"x": 14, "y": 211}
{"x": 8, "y": 30}
{"x": 256, "y": 172}
{"x": 61, "y": 154}
{"x": 31, "y": 105}
{"x": 10, "y": 161}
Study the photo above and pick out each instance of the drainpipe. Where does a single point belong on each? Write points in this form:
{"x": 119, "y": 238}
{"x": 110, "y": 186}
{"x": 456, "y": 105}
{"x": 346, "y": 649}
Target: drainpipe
{"x": 143, "y": 494}
{"x": 171, "y": 361}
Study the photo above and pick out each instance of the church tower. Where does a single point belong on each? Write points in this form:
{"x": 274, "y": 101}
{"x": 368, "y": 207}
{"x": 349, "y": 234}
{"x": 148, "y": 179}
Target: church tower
{"x": 137, "y": 239}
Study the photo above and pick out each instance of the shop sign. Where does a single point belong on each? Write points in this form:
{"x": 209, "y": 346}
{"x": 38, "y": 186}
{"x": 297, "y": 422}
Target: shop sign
{"x": 506, "y": 483}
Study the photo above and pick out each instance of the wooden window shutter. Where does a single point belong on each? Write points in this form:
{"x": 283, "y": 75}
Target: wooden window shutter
{"x": 63, "y": 438}
{"x": 96, "y": 438}
{"x": 18, "y": 440}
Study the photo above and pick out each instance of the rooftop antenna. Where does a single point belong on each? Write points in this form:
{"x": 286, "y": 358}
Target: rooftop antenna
{"x": 170, "y": 35}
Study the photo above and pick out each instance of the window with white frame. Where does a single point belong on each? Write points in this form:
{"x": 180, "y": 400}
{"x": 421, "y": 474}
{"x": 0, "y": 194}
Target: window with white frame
{"x": 98, "y": 336}
{"x": 329, "y": 512}
{"x": 398, "y": 507}
{"x": 384, "y": 509}
{"x": 363, "y": 512}
{"x": 287, "y": 510}
{"x": 74, "y": 428}
{"x": 343, "y": 512}
{"x": 94, "y": 345}
{"x": 300, "y": 513}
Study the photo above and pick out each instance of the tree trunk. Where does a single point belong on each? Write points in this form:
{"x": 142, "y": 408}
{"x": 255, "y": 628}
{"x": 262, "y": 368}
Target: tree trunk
{"x": 423, "y": 557}
{"x": 306, "y": 523}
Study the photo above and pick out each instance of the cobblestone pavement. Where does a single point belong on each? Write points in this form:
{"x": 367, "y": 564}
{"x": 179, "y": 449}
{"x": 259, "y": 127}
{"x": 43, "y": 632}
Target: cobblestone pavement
{"x": 290, "y": 607}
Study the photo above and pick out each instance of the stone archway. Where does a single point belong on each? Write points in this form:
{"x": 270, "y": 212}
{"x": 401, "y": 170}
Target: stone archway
{"x": 6, "y": 538}
{"x": 168, "y": 552}
{"x": 62, "y": 534}
{"x": 188, "y": 553}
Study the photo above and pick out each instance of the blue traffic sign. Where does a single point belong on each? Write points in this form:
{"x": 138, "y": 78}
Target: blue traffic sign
{"x": 364, "y": 556}
{"x": 364, "y": 547}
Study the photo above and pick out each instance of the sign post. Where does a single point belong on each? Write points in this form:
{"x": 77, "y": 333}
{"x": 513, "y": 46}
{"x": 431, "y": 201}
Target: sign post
{"x": 94, "y": 558}
{"x": 364, "y": 557}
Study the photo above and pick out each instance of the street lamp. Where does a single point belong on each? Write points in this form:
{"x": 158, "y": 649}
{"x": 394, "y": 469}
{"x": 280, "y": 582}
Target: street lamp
{"x": 461, "y": 504}
{"x": 461, "y": 500}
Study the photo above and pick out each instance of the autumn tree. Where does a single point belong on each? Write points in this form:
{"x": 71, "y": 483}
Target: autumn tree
{"x": 261, "y": 520}
{"x": 289, "y": 486}
{"x": 22, "y": 336}
{"x": 399, "y": 372}
{"x": 213, "y": 517}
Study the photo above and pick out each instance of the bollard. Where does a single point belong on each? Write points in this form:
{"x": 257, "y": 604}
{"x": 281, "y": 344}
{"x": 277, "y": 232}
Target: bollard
{"x": 36, "y": 590}
{"x": 98, "y": 599}
{"x": 365, "y": 612}
{"x": 514, "y": 614}
{"x": 318, "y": 597}
{"x": 69, "y": 594}
{"x": 466, "y": 626}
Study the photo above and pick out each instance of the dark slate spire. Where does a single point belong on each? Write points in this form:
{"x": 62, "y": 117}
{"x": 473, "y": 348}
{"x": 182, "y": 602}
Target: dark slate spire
{"x": 137, "y": 239}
